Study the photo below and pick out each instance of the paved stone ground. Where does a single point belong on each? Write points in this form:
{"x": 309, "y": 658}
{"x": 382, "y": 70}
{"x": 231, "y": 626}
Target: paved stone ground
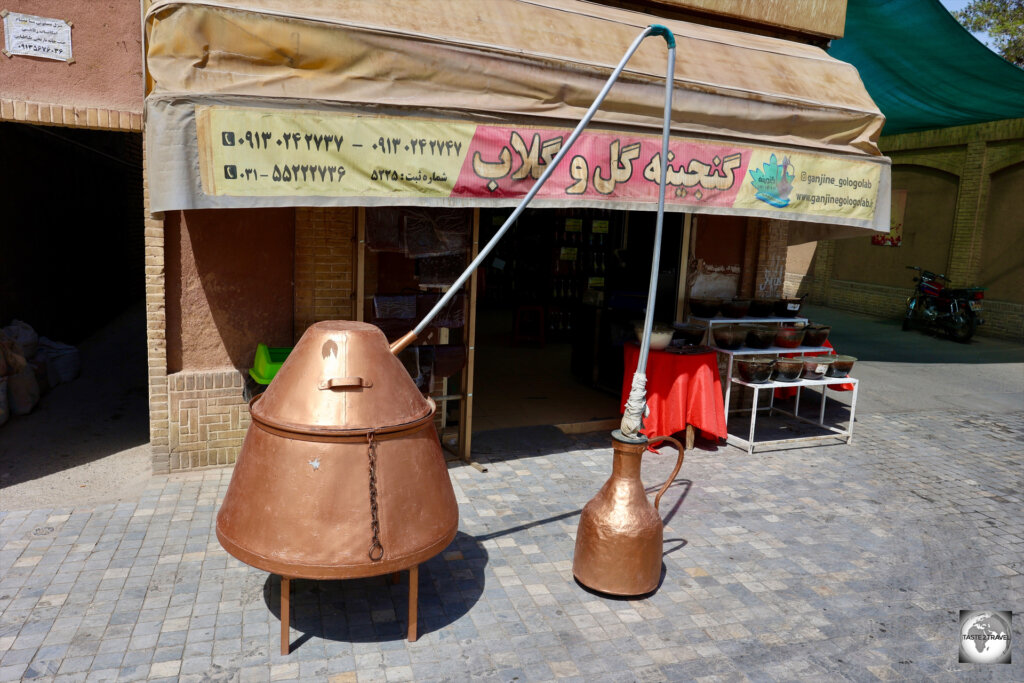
{"x": 825, "y": 563}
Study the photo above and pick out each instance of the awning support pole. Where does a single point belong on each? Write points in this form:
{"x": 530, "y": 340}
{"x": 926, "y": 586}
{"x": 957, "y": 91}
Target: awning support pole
{"x": 655, "y": 30}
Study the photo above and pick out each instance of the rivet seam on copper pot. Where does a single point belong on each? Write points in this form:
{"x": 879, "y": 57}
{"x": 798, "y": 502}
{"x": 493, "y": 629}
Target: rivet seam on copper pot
{"x": 302, "y": 432}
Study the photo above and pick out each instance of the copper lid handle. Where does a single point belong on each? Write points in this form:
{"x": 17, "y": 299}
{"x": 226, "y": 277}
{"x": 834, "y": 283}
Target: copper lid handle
{"x": 345, "y": 382}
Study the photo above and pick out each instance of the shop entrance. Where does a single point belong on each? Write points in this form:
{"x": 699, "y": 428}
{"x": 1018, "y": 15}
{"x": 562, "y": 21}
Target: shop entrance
{"x": 71, "y": 268}
{"x": 557, "y": 299}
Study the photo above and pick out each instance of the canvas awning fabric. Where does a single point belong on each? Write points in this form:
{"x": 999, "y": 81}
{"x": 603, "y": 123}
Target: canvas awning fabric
{"x": 925, "y": 70}
{"x": 498, "y": 83}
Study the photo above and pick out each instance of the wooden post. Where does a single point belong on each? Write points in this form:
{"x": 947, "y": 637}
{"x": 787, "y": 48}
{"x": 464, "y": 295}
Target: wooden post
{"x": 286, "y": 590}
{"x": 360, "y": 264}
{"x": 414, "y": 596}
{"x": 466, "y": 408}
{"x": 684, "y": 263}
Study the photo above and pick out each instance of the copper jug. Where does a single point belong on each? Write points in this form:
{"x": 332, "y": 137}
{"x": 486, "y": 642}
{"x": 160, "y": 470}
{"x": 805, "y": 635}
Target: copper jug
{"x": 619, "y": 538}
{"x": 341, "y": 474}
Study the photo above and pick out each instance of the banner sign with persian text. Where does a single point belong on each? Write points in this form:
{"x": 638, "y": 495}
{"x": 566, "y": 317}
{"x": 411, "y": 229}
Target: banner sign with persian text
{"x": 270, "y": 153}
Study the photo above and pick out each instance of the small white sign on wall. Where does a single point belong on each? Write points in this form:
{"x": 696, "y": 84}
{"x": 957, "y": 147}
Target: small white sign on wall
{"x": 32, "y": 36}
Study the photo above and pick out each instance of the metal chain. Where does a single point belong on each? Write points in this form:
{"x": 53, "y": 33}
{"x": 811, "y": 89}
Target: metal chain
{"x": 376, "y": 549}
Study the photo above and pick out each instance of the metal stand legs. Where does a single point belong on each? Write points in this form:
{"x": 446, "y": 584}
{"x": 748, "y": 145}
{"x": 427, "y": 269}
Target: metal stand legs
{"x": 414, "y": 593}
{"x": 286, "y": 594}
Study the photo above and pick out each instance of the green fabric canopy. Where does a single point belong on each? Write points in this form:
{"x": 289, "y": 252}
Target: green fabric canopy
{"x": 923, "y": 69}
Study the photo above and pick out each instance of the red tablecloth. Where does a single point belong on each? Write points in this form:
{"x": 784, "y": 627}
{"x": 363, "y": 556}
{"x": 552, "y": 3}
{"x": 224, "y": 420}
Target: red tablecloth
{"x": 682, "y": 389}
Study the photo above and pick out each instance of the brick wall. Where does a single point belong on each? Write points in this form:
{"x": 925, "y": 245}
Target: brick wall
{"x": 797, "y": 284}
{"x": 965, "y": 249}
{"x": 156, "y": 329}
{"x": 821, "y": 275}
{"x": 877, "y": 300}
{"x": 972, "y": 153}
{"x": 771, "y": 259}
{"x": 199, "y": 418}
{"x": 71, "y": 117}
{"x": 1003, "y": 319}
{"x": 208, "y": 417}
{"x": 324, "y": 265}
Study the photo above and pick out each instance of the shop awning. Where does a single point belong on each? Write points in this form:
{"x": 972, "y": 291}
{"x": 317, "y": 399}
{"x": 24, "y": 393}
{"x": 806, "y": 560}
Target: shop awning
{"x": 461, "y": 102}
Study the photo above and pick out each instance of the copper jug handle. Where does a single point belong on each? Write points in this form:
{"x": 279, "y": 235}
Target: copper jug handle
{"x": 679, "y": 463}
{"x": 344, "y": 382}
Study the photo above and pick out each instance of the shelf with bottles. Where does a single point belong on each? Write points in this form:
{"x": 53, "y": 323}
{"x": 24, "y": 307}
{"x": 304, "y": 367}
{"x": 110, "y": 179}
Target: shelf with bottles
{"x": 578, "y": 260}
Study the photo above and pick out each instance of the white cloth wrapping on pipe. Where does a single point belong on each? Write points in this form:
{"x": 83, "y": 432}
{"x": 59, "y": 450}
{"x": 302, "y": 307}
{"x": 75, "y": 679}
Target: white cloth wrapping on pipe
{"x": 636, "y": 407}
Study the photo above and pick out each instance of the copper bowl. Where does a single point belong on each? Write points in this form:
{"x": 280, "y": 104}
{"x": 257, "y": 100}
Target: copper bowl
{"x": 787, "y": 369}
{"x": 760, "y": 336}
{"x": 704, "y": 308}
{"x": 789, "y": 337}
{"x": 815, "y": 367}
{"x": 735, "y": 308}
{"x": 755, "y": 369}
{"x": 815, "y": 335}
{"x": 761, "y": 308}
{"x": 690, "y": 334}
{"x": 730, "y": 337}
{"x": 841, "y": 366}
{"x": 788, "y": 308}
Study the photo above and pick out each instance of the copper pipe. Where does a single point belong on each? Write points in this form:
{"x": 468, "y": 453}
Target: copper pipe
{"x": 652, "y": 30}
{"x": 399, "y": 345}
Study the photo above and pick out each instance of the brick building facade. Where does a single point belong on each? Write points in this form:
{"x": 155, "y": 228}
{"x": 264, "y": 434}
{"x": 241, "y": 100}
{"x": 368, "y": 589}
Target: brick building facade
{"x": 963, "y": 184}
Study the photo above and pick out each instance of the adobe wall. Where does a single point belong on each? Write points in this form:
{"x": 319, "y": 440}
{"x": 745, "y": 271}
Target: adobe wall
{"x": 102, "y": 88}
{"x": 228, "y": 286}
{"x": 1002, "y": 256}
{"x": 927, "y": 232}
{"x": 233, "y": 278}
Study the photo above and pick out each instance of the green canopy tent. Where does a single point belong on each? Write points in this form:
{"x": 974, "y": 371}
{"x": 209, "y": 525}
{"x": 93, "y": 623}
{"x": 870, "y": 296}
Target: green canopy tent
{"x": 924, "y": 70}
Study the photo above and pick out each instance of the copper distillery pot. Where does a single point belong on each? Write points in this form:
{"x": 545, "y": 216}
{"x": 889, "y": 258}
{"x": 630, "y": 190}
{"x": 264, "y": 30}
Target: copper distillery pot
{"x": 341, "y": 473}
{"x": 619, "y": 538}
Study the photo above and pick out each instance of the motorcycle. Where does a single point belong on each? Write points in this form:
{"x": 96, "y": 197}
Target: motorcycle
{"x": 942, "y": 309}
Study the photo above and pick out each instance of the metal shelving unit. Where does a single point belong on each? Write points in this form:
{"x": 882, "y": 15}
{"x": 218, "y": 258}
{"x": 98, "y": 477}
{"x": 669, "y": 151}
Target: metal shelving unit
{"x": 835, "y": 432}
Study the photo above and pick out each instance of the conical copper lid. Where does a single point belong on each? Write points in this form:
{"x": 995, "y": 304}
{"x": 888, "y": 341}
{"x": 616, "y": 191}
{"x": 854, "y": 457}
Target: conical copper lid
{"x": 341, "y": 378}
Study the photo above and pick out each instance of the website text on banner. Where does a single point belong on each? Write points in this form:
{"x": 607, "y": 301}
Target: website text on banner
{"x": 258, "y": 153}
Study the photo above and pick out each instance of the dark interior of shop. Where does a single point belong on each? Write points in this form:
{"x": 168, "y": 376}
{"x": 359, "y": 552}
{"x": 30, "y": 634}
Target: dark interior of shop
{"x": 558, "y": 297}
{"x": 72, "y": 267}
{"x": 72, "y": 254}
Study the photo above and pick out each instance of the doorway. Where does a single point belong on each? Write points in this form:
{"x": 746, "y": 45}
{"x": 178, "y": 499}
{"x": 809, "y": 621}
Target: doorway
{"x": 72, "y": 268}
{"x": 557, "y": 300}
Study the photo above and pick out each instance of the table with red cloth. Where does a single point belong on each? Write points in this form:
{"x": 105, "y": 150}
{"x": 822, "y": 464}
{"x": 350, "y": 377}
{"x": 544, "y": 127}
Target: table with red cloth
{"x": 682, "y": 389}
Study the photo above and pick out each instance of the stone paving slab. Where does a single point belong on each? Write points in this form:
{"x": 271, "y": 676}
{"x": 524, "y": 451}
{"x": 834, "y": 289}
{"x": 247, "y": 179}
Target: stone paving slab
{"x": 827, "y": 563}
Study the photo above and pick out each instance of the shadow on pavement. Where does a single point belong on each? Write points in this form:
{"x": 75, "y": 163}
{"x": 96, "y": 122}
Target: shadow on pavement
{"x": 102, "y": 412}
{"x": 879, "y": 339}
{"x": 374, "y": 609}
